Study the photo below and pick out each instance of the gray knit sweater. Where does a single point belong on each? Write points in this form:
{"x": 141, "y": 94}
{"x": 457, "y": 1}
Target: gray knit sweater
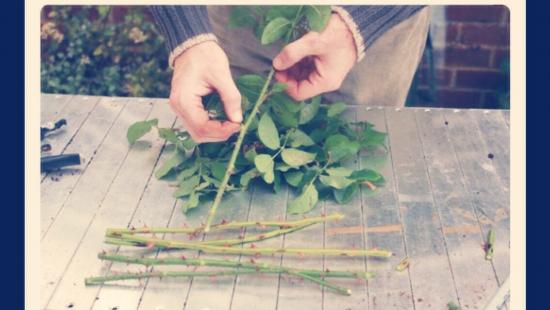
{"x": 184, "y": 26}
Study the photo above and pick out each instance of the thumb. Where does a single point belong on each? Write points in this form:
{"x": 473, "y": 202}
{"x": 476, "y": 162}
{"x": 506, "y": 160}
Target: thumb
{"x": 295, "y": 51}
{"x": 230, "y": 96}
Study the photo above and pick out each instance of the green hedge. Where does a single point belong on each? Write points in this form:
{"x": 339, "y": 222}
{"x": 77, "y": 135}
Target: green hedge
{"x": 89, "y": 50}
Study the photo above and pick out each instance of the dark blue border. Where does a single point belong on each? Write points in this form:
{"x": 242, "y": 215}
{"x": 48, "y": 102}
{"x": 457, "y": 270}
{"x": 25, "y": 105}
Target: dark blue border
{"x": 13, "y": 125}
{"x": 537, "y": 103}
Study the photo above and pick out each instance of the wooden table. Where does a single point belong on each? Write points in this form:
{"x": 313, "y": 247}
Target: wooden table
{"x": 443, "y": 193}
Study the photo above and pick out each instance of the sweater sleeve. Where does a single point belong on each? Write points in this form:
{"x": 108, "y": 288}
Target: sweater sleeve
{"x": 369, "y": 22}
{"x": 183, "y": 26}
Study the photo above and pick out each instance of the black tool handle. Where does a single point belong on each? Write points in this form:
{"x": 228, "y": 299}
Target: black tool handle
{"x": 58, "y": 161}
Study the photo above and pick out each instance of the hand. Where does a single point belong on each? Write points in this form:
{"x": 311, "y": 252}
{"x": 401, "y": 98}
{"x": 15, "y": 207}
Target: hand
{"x": 199, "y": 71}
{"x": 317, "y": 62}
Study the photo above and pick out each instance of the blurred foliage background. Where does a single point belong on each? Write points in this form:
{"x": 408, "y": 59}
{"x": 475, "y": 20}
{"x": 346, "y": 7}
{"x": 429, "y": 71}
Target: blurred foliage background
{"x": 96, "y": 50}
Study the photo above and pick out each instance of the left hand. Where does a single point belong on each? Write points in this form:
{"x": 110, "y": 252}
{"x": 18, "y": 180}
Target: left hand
{"x": 317, "y": 62}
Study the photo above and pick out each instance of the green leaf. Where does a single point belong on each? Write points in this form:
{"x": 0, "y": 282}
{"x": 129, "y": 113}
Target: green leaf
{"x": 169, "y": 135}
{"x": 191, "y": 202}
{"x": 283, "y": 116}
{"x": 367, "y": 175}
{"x": 336, "y": 109}
{"x": 299, "y": 138}
{"x": 339, "y": 171}
{"x": 317, "y": 16}
{"x": 250, "y": 154}
{"x": 275, "y": 30}
{"x": 278, "y": 87}
{"x": 339, "y": 147}
{"x": 139, "y": 129}
{"x": 170, "y": 164}
{"x": 250, "y": 85}
{"x": 338, "y": 182}
{"x": 264, "y": 164}
{"x": 344, "y": 196}
{"x": 277, "y": 182}
{"x": 305, "y": 202}
{"x": 267, "y": 132}
{"x": 187, "y": 186}
{"x": 282, "y": 167}
{"x": 294, "y": 177}
{"x": 247, "y": 176}
{"x": 241, "y": 16}
{"x": 296, "y": 157}
{"x": 218, "y": 170}
{"x": 309, "y": 111}
{"x": 185, "y": 173}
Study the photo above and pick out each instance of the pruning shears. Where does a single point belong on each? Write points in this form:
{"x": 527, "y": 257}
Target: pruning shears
{"x": 52, "y": 162}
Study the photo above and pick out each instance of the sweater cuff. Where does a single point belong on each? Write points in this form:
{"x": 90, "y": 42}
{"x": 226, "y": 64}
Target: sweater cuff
{"x": 183, "y": 26}
{"x": 368, "y": 22}
{"x": 352, "y": 26}
{"x": 178, "y": 50}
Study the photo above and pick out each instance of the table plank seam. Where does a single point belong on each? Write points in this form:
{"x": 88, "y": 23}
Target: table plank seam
{"x": 396, "y": 196}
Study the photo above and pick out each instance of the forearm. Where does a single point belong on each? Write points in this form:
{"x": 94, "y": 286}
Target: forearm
{"x": 369, "y": 22}
{"x": 182, "y": 26}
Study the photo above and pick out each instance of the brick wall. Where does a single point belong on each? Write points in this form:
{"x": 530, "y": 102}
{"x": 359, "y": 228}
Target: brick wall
{"x": 470, "y": 43}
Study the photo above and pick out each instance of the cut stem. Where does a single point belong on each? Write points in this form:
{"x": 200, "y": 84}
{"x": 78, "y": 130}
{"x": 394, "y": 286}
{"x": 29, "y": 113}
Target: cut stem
{"x": 176, "y": 244}
{"x": 224, "y": 226}
{"x": 232, "y": 264}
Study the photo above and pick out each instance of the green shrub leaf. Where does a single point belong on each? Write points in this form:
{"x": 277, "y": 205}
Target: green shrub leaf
{"x": 139, "y": 129}
{"x": 275, "y": 30}
{"x": 336, "y": 109}
{"x": 296, "y": 157}
{"x": 267, "y": 132}
{"x": 294, "y": 178}
{"x": 305, "y": 202}
{"x": 264, "y": 163}
{"x": 344, "y": 196}
{"x": 170, "y": 164}
{"x": 338, "y": 182}
{"x": 309, "y": 111}
{"x": 317, "y": 16}
{"x": 187, "y": 186}
{"x": 299, "y": 138}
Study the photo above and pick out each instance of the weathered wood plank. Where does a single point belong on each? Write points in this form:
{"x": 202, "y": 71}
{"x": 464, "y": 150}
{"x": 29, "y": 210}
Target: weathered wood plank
{"x": 51, "y": 105}
{"x": 295, "y": 293}
{"x": 339, "y": 235}
{"x": 57, "y": 186}
{"x": 474, "y": 276}
{"x": 115, "y": 210}
{"x": 253, "y": 291}
{"x": 60, "y": 242}
{"x": 431, "y": 277}
{"x": 496, "y": 135}
{"x": 489, "y": 197}
{"x": 381, "y": 215}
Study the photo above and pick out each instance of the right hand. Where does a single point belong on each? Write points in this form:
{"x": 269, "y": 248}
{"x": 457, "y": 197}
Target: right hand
{"x": 199, "y": 71}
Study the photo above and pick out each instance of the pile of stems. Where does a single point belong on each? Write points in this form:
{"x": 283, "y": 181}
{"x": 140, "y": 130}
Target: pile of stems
{"x": 237, "y": 268}
{"x": 146, "y": 237}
